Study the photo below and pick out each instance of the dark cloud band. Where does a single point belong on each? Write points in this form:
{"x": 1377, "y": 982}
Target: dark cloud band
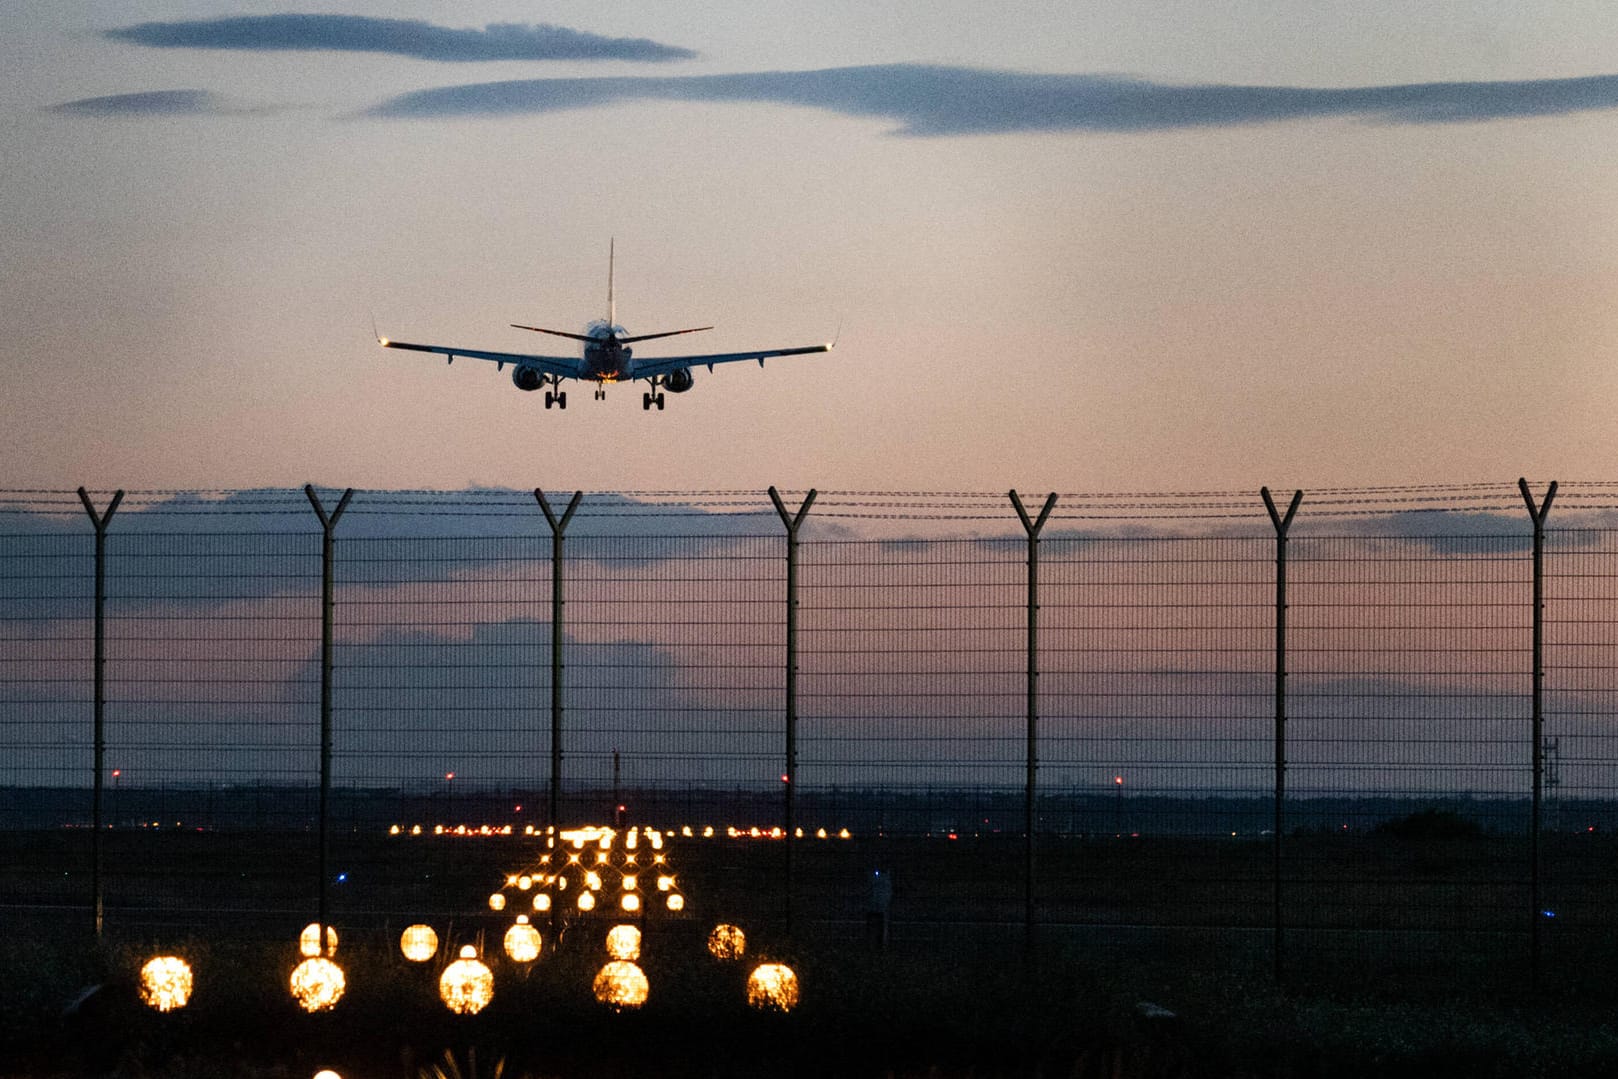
{"x": 401, "y": 37}
{"x": 926, "y": 100}
{"x": 149, "y": 103}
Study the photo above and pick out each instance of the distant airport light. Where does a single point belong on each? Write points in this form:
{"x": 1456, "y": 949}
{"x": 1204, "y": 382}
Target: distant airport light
{"x": 497, "y": 901}
{"x": 165, "y": 983}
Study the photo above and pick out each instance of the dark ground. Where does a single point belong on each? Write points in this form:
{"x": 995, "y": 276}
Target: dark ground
{"x": 1404, "y": 956}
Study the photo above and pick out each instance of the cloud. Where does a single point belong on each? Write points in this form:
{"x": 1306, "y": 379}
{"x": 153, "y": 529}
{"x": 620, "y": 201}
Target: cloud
{"x": 149, "y": 103}
{"x": 936, "y": 100}
{"x": 401, "y": 37}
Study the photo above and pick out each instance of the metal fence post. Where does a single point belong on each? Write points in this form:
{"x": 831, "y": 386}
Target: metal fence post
{"x": 558, "y": 531}
{"x": 328, "y": 548}
{"x": 1282, "y": 523}
{"x": 789, "y": 777}
{"x": 98, "y": 707}
{"x": 1537, "y": 514}
{"x": 1032, "y": 527}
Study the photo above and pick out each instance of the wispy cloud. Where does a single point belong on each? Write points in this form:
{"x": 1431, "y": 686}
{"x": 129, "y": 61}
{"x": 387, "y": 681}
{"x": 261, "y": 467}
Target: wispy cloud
{"x": 149, "y": 103}
{"x": 402, "y": 37}
{"x": 931, "y": 100}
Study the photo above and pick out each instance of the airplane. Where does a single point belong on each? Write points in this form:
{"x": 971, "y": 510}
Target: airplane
{"x": 607, "y": 358}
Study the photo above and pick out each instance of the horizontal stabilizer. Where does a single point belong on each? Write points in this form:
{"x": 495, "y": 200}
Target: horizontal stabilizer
{"x": 555, "y": 333}
{"x": 665, "y": 333}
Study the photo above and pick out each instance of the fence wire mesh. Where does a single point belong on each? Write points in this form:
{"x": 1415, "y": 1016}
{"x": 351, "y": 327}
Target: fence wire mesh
{"x": 1409, "y": 758}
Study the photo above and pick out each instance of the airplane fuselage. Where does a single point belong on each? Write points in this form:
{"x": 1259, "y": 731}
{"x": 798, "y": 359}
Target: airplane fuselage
{"x": 606, "y": 359}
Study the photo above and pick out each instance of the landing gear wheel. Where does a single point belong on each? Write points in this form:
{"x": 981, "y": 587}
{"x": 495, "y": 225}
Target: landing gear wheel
{"x": 550, "y": 398}
{"x": 645, "y": 402}
{"x": 561, "y": 399}
{"x": 659, "y": 400}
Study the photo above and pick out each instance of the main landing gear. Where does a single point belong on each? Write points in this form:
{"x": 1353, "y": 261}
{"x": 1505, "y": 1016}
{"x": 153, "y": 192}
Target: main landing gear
{"x": 557, "y": 398}
{"x": 647, "y": 400}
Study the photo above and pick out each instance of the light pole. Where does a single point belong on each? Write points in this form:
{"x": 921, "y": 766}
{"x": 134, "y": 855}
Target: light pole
{"x": 1118, "y": 806}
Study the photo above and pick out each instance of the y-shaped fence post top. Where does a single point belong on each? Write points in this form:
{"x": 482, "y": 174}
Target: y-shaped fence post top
{"x": 1281, "y": 522}
{"x": 1030, "y": 525}
{"x": 557, "y": 527}
{"x": 328, "y": 522}
{"x": 792, "y": 521}
{"x": 99, "y": 520}
{"x": 1536, "y": 512}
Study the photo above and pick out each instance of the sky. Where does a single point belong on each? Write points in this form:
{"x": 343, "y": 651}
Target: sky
{"x": 1107, "y": 246}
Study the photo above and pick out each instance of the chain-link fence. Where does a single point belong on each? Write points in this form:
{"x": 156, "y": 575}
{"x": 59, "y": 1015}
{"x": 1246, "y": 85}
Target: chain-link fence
{"x": 1131, "y": 717}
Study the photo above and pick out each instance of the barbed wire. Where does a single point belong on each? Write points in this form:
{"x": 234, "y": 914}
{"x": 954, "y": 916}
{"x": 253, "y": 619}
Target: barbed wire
{"x": 1499, "y": 497}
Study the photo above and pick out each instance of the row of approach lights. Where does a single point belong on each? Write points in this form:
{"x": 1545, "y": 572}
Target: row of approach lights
{"x": 587, "y": 863}
{"x": 467, "y": 985}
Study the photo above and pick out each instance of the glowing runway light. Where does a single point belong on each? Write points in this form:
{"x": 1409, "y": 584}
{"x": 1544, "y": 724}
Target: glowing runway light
{"x": 165, "y": 983}
{"x": 621, "y": 984}
{"x": 466, "y": 986}
{"x": 623, "y": 942}
{"x": 309, "y": 940}
{"x": 727, "y": 942}
{"x": 497, "y": 901}
{"x": 419, "y": 943}
{"x": 317, "y": 984}
{"x": 523, "y": 941}
{"x": 772, "y": 987}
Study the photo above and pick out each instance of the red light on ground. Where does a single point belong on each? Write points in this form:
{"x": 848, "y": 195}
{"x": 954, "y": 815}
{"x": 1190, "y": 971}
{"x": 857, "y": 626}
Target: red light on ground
{"x": 1118, "y": 779}
{"x": 116, "y": 772}
{"x": 449, "y": 775}
{"x": 952, "y": 835}
{"x": 516, "y": 809}
{"x": 785, "y": 779}
{"x": 620, "y": 809}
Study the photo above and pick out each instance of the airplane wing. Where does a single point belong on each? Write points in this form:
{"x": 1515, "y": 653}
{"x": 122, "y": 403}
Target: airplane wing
{"x": 565, "y": 366}
{"x": 662, "y": 365}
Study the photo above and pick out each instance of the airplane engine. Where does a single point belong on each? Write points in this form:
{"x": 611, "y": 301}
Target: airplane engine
{"x": 526, "y": 378}
{"x": 678, "y": 380}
